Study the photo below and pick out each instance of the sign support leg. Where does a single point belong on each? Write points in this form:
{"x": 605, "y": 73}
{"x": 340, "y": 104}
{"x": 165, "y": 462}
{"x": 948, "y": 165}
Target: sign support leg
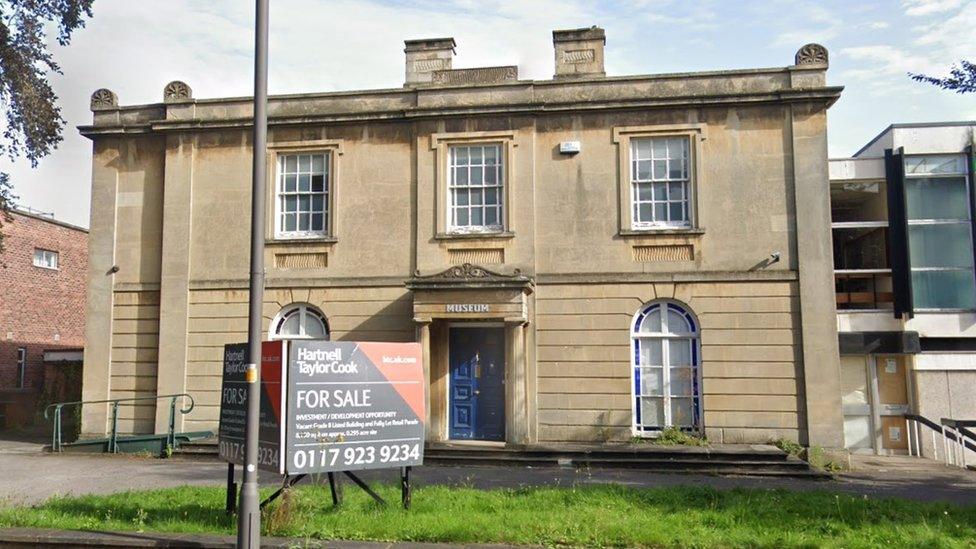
{"x": 231, "y": 503}
{"x": 365, "y": 488}
{"x": 336, "y": 489}
{"x": 286, "y": 483}
{"x": 405, "y": 486}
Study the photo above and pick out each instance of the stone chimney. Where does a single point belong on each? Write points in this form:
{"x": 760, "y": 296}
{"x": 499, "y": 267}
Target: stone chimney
{"x": 579, "y": 52}
{"x": 425, "y": 56}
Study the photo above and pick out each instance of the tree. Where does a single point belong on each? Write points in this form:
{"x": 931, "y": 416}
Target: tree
{"x": 961, "y": 79}
{"x": 32, "y": 122}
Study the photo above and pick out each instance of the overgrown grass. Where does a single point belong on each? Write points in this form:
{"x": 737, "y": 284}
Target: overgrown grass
{"x": 589, "y": 516}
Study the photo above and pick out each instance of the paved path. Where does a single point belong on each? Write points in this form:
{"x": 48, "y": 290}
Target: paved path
{"x": 28, "y": 476}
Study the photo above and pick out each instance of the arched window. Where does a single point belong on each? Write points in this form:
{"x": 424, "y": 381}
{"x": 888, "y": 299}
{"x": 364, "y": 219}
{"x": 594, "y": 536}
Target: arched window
{"x": 667, "y": 383}
{"x": 299, "y": 321}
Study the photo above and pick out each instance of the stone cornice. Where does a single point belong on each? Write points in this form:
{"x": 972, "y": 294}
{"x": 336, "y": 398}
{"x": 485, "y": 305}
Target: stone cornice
{"x": 828, "y": 95}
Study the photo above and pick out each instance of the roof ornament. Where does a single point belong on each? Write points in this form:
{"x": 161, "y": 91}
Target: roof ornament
{"x": 177, "y": 92}
{"x": 812, "y": 54}
{"x": 104, "y": 99}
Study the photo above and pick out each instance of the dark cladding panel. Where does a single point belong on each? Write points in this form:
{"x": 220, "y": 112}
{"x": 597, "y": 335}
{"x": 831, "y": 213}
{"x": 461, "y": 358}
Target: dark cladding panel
{"x": 898, "y": 253}
{"x": 862, "y": 343}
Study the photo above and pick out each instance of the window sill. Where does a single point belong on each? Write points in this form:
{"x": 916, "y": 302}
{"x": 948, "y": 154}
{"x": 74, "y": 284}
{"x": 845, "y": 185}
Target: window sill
{"x": 689, "y": 231}
{"x": 475, "y": 236}
{"x": 302, "y": 240}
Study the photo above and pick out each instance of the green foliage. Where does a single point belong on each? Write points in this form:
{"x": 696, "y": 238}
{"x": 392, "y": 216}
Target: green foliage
{"x": 33, "y": 122}
{"x": 591, "y": 515}
{"x": 790, "y": 447}
{"x": 672, "y": 436}
{"x": 961, "y": 79}
{"x": 817, "y": 458}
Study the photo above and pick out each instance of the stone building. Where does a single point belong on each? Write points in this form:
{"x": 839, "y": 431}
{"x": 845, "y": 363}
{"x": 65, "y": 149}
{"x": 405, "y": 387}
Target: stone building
{"x": 584, "y": 258}
{"x": 43, "y": 277}
{"x": 906, "y": 293}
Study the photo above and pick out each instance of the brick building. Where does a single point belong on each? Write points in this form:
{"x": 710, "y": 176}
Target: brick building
{"x": 43, "y": 276}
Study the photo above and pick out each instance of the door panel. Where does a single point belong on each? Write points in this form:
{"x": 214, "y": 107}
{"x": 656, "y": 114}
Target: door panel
{"x": 477, "y": 393}
{"x": 857, "y": 407}
{"x": 892, "y": 400}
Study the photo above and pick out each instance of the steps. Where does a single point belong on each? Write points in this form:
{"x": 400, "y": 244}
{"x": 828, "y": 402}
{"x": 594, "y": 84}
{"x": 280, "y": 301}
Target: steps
{"x": 728, "y": 459}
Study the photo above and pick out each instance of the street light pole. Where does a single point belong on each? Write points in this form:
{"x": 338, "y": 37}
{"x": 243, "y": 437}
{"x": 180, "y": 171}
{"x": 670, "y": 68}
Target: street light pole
{"x": 249, "y": 511}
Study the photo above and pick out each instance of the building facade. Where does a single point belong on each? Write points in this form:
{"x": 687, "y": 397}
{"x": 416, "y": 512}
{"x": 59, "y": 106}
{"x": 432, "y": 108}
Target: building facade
{"x": 43, "y": 278}
{"x": 902, "y": 211}
{"x": 586, "y": 258}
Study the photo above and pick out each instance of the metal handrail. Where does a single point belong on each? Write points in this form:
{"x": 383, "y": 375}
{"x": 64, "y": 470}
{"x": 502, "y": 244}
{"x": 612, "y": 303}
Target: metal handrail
{"x": 953, "y": 431}
{"x": 113, "y": 441}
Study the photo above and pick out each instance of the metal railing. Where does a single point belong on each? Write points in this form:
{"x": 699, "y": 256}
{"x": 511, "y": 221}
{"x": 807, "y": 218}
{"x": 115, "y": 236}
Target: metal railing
{"x": 113, "y": 440}
{"x": 955, "y": 433}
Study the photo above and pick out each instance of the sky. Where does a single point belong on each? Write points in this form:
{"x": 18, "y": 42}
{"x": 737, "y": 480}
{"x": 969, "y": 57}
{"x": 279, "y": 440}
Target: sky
{"x": 135, "y": 47}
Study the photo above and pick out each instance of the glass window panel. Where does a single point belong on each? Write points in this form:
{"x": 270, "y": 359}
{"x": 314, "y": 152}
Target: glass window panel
{"x": 291, "y": 184}
{"x": 477, "y": 217}
{"x": 937, "y": 198}
{"x": 650, "y": 352}
{"x": 943, "y": 245}
{"x": 462, "y": 217}
{"x": 652, "y": 322}
{"x": 291, "y": 325}
{"x": 935, "y": 164}
{"x": 461, "y": 197}
{"x": 291, "y": 203}
{"x": 678, "y": 147}
{"x": 314, "y": 328}
{"x": 474, "y": 155}
{"x": 660, "y": 191}
{"x": 943, "y": 289}
{"x": 861, "y": 248}
{"x": 317, "y": 222}
{"x": 644, "y": 192}
{"x": 304, "y": 222}
{"x": 477, "y": 176}
{"x": 291, "y": 163}
{"x": 491, "y": 175}
{"x": 642, "y": 147}
{"x": 857, "y": 432}
{"x": 318, "y": 203}
{"x": 460, "y": 156}
{"x": 461, "y": 176}
{"x": 652, "y": 412}
{"x": 305, "y": 203}
{"x": 660, "y": 148}
{"x": 491, "y": 216}
{"x": 652, "y": 381}
{"x": 677, "y": 212}
{"x": 681, "y": 382}
{"x": 477, "y": 197}
{"x": 676, "y": 169}
{"x": 645, "y": 212}
{"x": 644, "y": 170}
{"x": 318, "y": 183}
{"x": 676, "y": 191}
{"x": 304, "y": 183}
{"x": 660, "y": 169}
{"x": 290, "y": 222}
{"x": 304, "y": 163}
{"x": 851, "y": 201}
{"x": 491, "y": 196}
{"x": 491, "y": 155}
{"x": 660, "y": 211}
{"x": 677, "y": 323}
{"x": 679, "y": 352}
{"x": 682, "y": 412}
{"x": 318, "y": 163}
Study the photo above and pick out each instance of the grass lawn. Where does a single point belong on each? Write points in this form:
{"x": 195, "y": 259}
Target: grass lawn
{"x": 590, "y": 516}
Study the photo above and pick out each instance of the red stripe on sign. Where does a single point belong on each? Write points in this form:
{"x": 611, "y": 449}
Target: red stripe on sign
{"x": 401, "y": 362}
{"x": 271, "y": 374}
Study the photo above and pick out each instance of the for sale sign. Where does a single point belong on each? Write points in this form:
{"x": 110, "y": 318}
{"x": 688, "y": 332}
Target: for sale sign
{"x": 233, "y": 405}
{"x": 354, "y": 406}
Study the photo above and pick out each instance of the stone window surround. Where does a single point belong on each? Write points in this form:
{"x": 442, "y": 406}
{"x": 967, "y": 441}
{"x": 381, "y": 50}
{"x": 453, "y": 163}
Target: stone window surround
{"x": 332, "y": 147}
{"x": 622, "y": 136}
{"x": 440, "y": 143}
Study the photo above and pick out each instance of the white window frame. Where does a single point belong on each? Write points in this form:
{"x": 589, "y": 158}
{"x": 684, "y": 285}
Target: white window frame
{"x": 961, "y": 165}
{"x": 304, "y": 310}
{"x": 42, "y": 259}
{"x": 21, "y": 367}
{"x": 665, "y": 335}
{"x": 686, "y": 182}
{"x": 326, "y": 193}
{"x": 499, "y": 185}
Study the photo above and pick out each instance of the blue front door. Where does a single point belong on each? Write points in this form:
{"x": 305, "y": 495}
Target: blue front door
{"x": 477, "y": 359}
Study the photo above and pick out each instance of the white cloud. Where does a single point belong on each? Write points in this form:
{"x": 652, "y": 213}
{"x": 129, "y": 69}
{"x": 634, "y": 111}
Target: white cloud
{"x": 918, "y": 8}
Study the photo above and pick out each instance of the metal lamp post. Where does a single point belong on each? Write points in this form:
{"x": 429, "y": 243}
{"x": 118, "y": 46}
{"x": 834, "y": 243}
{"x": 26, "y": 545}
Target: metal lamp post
{"x": 249, "y": 511}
